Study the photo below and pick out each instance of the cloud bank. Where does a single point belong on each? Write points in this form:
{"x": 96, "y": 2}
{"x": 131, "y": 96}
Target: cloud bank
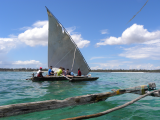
{"x": 35, "y": 35}
{"x": 6, "y": 44}
{"x": 118, "y": 64}
{"x": 133, "y": 35}
{"x": 38, "y": 35}
{"x": 147, "y": 44}
{"x": 97, "y": 58}
{"x": 148, "y": 50}
{"x": 28, "y": 62}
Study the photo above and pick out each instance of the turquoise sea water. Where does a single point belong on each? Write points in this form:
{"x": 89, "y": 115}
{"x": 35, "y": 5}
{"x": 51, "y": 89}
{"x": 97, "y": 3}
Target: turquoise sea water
{"x": 15, "y": 89}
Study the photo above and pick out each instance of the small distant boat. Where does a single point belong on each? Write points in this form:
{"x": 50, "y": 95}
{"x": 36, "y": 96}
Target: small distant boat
{"x": 63, "y": 52}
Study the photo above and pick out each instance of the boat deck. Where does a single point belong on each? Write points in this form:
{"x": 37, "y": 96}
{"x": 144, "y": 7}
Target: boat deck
{"x": 61, "y": 78}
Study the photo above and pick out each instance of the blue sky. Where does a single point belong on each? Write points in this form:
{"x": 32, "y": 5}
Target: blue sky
{"x": 99, "y": 27}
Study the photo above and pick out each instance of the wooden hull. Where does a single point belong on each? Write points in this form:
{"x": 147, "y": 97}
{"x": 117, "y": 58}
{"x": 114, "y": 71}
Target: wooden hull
{"x": 61, "y": 78}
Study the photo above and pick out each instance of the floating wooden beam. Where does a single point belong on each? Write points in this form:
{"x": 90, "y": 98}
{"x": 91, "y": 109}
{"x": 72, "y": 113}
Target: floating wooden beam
{"x": 112, "y": 109}
{"x": 22, "y": 108}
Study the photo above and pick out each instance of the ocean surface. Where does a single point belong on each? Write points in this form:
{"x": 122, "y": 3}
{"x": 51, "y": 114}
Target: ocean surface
{"x": 14, "y": 88}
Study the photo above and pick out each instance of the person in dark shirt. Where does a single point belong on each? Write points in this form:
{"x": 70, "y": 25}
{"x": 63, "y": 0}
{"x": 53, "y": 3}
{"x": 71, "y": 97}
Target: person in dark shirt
{"x": 79, "y": 72}
{"x": 64, "y": 72}
{"x": 68, "y": 74}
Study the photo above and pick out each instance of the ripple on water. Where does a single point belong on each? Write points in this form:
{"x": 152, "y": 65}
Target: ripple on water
{"x": 15, "y": 89}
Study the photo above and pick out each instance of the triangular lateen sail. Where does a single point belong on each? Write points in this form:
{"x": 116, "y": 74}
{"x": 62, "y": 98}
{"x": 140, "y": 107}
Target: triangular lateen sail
{"x": 61, "y": 48}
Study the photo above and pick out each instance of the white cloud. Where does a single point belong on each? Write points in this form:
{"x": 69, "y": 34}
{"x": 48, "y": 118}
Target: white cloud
{"x": 127, "y": 62}
{"x": 148, "y": 50}
{"x": 147, "y": 66}
{"x": 70, "y": 30}
{"x": 134, "y": 34}
{"x": 97, "y": 58}
{"x": 21, "y": 64}
{"x": 40, "y": 23}
{"x": 105, "y": 31}
{"x": 96, "y": 67}
{"x": 27, "y": 64}
{"x": 113, "y": 64}
{"x": 77, "y": 38}
{"x": 25, "y": 28}
{"x": 31, "y": 62}
{"x": 6, "y": 44}
{"x": 118, "y": 64}
{"x": 38, "y": 35}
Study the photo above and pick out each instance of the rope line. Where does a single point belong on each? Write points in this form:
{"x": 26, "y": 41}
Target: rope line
{"x": 137, "y": 12}
{"x": 74, "y": 58}
{"x": 112, "y": 109}
{"x": 63, "y": 57}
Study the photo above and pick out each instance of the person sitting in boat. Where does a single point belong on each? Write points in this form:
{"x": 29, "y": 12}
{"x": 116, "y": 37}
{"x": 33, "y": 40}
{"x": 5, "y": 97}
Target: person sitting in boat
{"x": 72, "y": 74}
{"x": 79, "y": 72}
{"x": 67, "y": 72}
{"x": 59, "y": 72}
{"x": 39, "y": 73}
{"x": 50, "y": 72}
{"x": 64, "y": 72}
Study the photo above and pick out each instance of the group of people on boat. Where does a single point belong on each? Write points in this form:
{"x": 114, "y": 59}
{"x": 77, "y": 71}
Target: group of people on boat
{"x": 61, "y": 72}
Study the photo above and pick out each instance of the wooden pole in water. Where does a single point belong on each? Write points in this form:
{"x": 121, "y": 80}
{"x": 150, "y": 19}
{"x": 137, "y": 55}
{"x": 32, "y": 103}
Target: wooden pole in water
{"x": 22, "y": 108}
{"x": 111, "y": 110}
{"x": 68, "y": 78}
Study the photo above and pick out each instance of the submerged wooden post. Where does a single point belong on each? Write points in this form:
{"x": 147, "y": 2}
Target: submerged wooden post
{"x": 112, "y": 109}
{"x": 22, "y": 108}
{"x": 32, "y": 75}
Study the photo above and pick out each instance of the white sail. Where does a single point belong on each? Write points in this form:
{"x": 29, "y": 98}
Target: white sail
{"x": 62, "y": 51}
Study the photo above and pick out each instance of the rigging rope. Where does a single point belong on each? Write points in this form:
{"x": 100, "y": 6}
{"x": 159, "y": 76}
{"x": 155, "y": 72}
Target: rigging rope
{"x": 63, "y": 57}
{"x": 74, "y": 58}
{"x": 112, "y": 109}
{"x": 137, "y": 12}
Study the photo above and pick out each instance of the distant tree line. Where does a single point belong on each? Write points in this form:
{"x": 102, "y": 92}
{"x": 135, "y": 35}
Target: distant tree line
{"x": 125, "y": 70}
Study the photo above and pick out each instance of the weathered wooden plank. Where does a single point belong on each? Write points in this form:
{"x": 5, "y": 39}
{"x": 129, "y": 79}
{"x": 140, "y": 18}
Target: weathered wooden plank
{"x": 22, "y": 108}
{"x": 112, "y": 109}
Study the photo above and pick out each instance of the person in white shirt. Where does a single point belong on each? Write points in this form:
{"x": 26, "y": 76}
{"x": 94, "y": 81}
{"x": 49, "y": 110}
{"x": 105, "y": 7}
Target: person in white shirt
{"x": 39, "y": 73}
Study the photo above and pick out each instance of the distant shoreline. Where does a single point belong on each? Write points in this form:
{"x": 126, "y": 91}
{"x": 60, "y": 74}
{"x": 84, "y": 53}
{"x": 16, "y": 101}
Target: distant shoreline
{"x": 128, "y": 71}
{"x": 98, "y": 70}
